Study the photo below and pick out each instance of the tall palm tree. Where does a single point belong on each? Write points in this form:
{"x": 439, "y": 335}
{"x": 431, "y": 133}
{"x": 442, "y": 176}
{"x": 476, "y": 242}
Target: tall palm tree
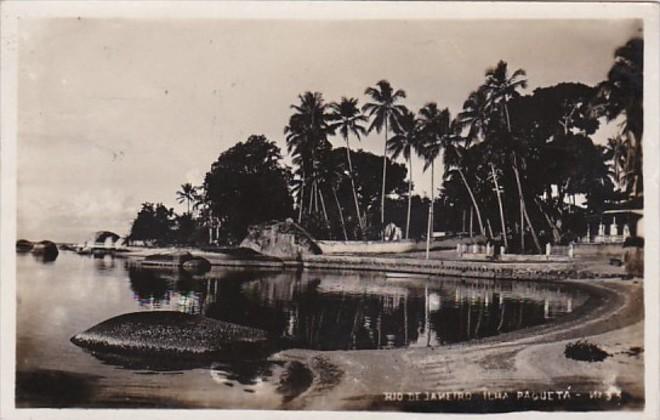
{"x": 187, "y": 193}
{"x": 501, "y": 88}
{"x": 348, "y": 119}
{"x": 457, "y": 159}
{"x": 383, "y": 111}
{"x": 434, "y": 126}
{"x": 474, "y": 117}
{"x": 307, "y": 141}
{"x": 406, "y": 141}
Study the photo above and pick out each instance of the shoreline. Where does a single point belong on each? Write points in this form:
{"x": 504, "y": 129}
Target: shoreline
{"x": 529, "y": 360}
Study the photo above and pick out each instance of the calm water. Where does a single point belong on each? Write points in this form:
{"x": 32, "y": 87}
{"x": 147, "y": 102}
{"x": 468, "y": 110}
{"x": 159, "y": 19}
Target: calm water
{"x": 318, "y": 310}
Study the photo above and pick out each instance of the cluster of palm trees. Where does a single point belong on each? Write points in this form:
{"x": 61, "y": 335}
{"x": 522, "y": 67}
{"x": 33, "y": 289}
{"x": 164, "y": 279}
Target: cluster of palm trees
{"x": 490, "y": 147}
{"x": 426, "y": 134}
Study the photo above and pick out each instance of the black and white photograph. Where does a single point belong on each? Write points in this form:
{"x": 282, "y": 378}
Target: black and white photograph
{"x": 335, "y": 207}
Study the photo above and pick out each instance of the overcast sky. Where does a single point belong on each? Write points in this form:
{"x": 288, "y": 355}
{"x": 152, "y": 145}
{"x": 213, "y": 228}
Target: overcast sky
{"x": 112, "y": 113}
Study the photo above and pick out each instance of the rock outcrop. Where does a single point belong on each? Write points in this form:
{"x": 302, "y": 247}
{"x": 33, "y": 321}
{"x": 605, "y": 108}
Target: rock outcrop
{"x": 23, "y": 245}
{"x": 196, "y": 265}
{"x": 46, "y": 250}
{"x": 280, "y": 239}
{"x": 170, "y": 332}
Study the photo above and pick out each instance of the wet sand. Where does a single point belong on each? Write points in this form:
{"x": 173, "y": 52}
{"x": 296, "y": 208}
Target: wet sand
{"x": 530, "y": 360}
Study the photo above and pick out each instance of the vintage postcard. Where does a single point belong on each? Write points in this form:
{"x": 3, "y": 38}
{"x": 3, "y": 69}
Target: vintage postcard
{"x": 265, "y": 209}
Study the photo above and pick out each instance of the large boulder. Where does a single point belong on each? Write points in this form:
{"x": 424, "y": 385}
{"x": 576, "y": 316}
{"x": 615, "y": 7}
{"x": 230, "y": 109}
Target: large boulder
{"x": 280, "y": 239}
{"x": 170, "y": 332}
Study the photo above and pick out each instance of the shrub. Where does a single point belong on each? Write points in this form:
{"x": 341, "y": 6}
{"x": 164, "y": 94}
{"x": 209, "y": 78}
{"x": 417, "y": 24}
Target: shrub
{"x": 585, "y": 351}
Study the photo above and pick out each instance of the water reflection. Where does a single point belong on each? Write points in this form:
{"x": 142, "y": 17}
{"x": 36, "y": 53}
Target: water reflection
{"x": 326, "y": 311}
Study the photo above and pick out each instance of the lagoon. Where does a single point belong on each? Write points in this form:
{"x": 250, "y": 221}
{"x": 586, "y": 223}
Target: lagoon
{"x": 316, "y": 310}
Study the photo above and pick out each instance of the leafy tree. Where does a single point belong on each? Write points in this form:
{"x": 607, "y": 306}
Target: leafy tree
{"x": 623, "y": 94}
{"x": 246, "y": 185}
{"x": 384, "y": 110}
{"x": 154, "y": 222}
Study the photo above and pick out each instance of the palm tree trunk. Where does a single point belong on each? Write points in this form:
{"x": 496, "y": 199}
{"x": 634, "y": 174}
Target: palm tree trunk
{"x": 311, "y": 198}
{"x": 325, "y": 212}
{"x": 499, "y": 204}
{"x": 523, "y": 207}
{"x": 341, "y": 214}
{"x": 382, "y": 194}
{"x": 556, "y": 235}
{"x": 429, "y": 227}
{"x": 409, "y": 196}
{"x": 471, "y": 221}
{"x": 302, "y": 202}
{"x": 474, "y": 202}
{"x": 355, "y": 199}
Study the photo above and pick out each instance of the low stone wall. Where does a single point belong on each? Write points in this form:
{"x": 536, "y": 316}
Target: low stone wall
{"x": 455, "y": 268}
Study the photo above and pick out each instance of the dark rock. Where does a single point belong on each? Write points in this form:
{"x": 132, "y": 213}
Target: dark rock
{"x": 197, "y": 265}
{"x": 281, "y": 239}
{"x": 169, "y": 332}
{"x": 46, "y": 250}
{"x": 174, "y": 259}
{"x": 23, "y": 245}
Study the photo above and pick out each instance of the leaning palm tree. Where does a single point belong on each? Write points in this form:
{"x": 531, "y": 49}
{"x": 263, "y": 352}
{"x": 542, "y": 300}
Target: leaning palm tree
{"x": 474, "y": 117}
{"x": 457, "y": 159}
{"x": 348, "y": 119}
{"x": 187, "y": 194}
{"x": 383, "y": 111}
{"x": 403, "y": 143}
{"x": 434, "y": 126}
{"x": 501, "y": 88}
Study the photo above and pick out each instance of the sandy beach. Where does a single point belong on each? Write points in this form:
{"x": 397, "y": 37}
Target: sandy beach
{"x": 529, "y": 360}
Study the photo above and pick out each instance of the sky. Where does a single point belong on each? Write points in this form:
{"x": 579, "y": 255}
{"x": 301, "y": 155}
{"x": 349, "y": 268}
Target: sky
{"x": 116, "y": 112}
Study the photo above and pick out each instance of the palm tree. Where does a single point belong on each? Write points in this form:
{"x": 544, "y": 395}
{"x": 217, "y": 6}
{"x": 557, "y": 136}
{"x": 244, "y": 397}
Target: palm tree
{"x": 348, "y": 119}
{"x": 474, "y": 117}
{"x": 457, "y": 159}
{"x": 383, "y": 111}
{"x": 500, "y": 88}
{"x": 403, "y": 143}
{"x": 307, "y": 141}
{"x": 187, "y": 193}
{"x": 434, "y": 126}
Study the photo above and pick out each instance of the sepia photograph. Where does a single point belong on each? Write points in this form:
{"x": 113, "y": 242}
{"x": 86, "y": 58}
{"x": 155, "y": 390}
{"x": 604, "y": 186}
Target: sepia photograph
{"x": 334, "y": 207}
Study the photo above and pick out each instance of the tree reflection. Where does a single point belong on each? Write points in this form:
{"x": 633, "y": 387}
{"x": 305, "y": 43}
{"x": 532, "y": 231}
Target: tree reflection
{"x": 332, "y": 312}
